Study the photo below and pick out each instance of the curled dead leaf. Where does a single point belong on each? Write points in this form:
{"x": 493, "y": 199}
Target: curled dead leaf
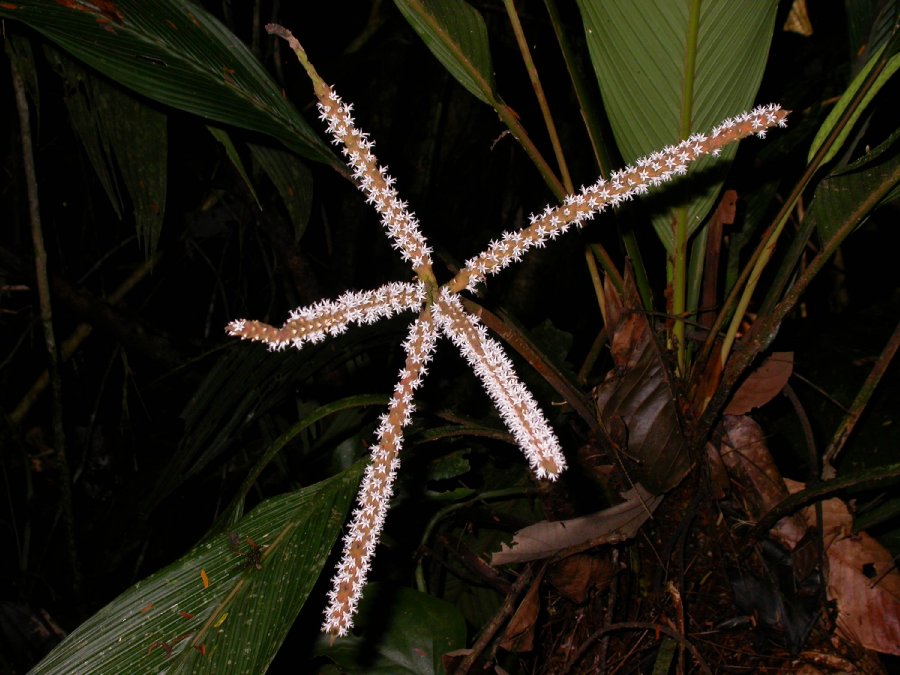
{"x": 545, "y": 539}
{"x": 763, "y": 384}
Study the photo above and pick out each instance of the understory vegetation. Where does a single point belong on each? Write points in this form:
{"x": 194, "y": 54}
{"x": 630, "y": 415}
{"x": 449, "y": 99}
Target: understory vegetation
{"x": 684, "y": 314}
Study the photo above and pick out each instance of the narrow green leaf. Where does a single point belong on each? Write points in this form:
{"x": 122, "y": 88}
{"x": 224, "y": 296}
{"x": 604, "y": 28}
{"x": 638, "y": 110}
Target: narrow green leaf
{"x": 227, "y": 605}
{"x": 175, "y": 52}
{"x": 225, "y": 139}
{"x": 455, "y": 33}
{"x": 292, "y": 179}
{"x": 839, "y": 114}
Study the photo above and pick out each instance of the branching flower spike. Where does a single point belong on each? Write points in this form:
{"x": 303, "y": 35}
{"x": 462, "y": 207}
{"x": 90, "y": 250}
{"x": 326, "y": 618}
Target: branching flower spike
{"x": 440, "y": 310}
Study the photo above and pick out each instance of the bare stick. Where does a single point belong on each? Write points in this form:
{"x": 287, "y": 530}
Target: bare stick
{"x": 43, "y": 286}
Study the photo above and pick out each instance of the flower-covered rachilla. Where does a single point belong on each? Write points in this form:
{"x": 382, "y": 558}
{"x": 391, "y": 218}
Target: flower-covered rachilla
{"x": 440, "y": 311}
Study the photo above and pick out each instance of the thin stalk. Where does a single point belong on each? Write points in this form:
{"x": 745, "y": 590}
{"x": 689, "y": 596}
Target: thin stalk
{"x": 765, "y": 254}
{"x": 46, "y": 308}
{"x": 452, "y": 508}
{"x": 602, "y": 152}
{"x": 641, "y": 278}
{"x": 592, "y": 356}
{"x": 539, "y": 94}
{"x": 506, "y": 610}
{"x": 679, "y": 264}
{"x": 509, "y": 118}
{"x": 859, "y": 404}
{"x": 589, "y": 113}
{"x": 870, "y": 479}
{"x": 506, "y": 114}
{"x": 608, "y": 266}
{"x": 597, "y": 282}
{"x": 77, "y": 337}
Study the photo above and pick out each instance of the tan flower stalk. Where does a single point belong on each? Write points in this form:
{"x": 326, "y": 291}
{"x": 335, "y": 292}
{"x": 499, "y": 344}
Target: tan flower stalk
{"x": 440, "y": 308}
{"x": 373, "y": 180}
{"x": 330, "y": 317}
{"x": 377, "y": 485}
{"x": 622, "y": 186}
{"x": 515, "y": 403}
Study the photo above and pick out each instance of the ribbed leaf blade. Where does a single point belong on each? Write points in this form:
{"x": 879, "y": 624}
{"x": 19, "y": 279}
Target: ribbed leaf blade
{"x": 215, "y": 610}
{"x": 639, "y": 51}
{"x": 174, "y": 52}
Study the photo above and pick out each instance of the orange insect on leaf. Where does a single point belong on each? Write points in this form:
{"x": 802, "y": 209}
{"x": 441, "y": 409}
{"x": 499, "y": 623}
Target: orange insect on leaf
{"x": 204, "y": 577}
{"x": 146, "y": 608}
{"x": 185, "y": 615}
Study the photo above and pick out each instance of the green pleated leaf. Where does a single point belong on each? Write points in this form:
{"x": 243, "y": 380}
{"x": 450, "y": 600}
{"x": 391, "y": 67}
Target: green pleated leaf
{"x": 227, "y": 605}
{"x": 123, "y": 137}
{"x": 640, "y": 52}
{"x": 455, "y": 33}
{"x": 84, "y": 116}
{"x": 175, "y": 52}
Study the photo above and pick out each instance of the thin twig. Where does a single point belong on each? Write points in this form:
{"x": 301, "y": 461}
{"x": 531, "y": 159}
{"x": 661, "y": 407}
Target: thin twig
{"x": 806, "y": 427}
{"x": 640, "y": 625}
{"x": 859, "y": 404}
{"x": 43, "y": 286}
{"x": 539, "y": 94}
{"x": 491, "y": 628}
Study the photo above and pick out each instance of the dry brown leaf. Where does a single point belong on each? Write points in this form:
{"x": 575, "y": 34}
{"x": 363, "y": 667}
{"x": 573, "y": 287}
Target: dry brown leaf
{"x": 450, "y": 660}
{"x": 798, "y": 19}
{"x": 746, "y": 455}
{"x": 763, "y": 384}
{"x": 576, "y": 575}
{"x": 752, "y": 468}
{"x": 862, "y": 579}
{"x": 519, "y": 633}
{"x": 868, "y": 608}
{"x": 614, "y": 524}
{"x": 639, "y": 394}
{"x": 718, "y": 474}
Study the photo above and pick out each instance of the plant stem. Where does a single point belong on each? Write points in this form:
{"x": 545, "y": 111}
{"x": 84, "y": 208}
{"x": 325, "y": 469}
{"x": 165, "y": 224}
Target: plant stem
{"x": 43, "y": 286}
{"x": 679, "y": 264}
{"x": 869, "y": 479}
{"x": 539, "y": 94}
{"x": 589, "y": 113}
{"x": 859, "y": 404}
